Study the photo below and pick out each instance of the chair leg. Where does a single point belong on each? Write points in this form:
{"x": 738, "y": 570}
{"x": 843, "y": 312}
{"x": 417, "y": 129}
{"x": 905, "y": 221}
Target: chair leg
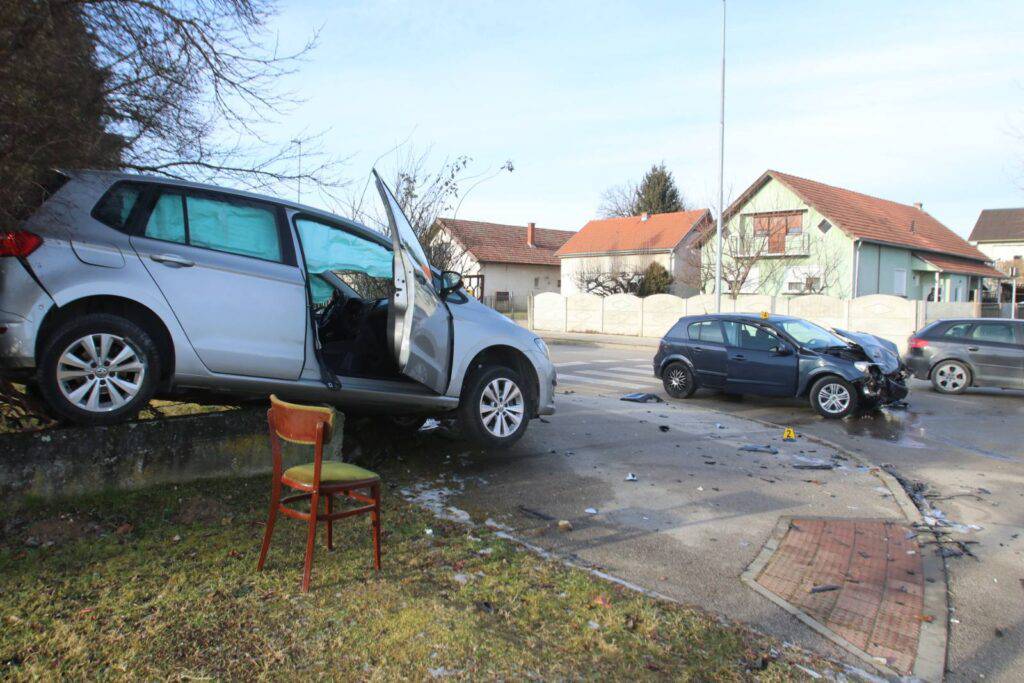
{"x": 314, "y": 505}
{"x": 375, "y": 515}
{"x": 330, "y": 522}
{"x": 275, "y": 502}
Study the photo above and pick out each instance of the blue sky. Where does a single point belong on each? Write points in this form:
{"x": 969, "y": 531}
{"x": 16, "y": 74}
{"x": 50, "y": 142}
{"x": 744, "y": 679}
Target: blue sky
{"x": 912, "y": 101}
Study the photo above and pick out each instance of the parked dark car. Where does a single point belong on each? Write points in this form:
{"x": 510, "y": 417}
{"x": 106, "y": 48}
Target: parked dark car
{"x": 837, "y": 371}
{"x": 971, "y": 352}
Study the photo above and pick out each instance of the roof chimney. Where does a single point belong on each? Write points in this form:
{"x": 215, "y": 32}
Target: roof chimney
{"x": 644, "y": 216}
{"x": 919, "y": 206}
{"x": 531, "y": 229}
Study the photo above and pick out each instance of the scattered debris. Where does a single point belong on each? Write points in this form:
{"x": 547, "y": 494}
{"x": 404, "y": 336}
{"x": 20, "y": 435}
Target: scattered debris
{"x": 814, "y": 466}
{"x": 564, "y": 525}
{"x": 602, "y": 601}
{"x": 663, "y": 428}
{"x": 591, "y": 511}
{"x": 898, "y": 405}
{"x": 430, "y": 424}
{"x": 825, "y": 588}
{"x": 631, "y": 477}
{"x": 534, "y": 513}
{"x": 428, "y": 531}
{"x": 755, "y": 448}
{"x": 719, "y": 425}
{"x": 593, "y": 625}
{"x": 642, "y": 398}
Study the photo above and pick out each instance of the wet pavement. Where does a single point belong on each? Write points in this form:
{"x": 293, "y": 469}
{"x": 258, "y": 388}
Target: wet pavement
{"x": 969, "y": 452}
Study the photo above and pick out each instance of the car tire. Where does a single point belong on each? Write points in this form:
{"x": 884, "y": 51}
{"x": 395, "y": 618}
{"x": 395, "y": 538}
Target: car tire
{"x": 485, "y": 417}
{"x": 951, "y": 377}
{"x": 678, "y": 380}
{"x": 98, "y": 369}
{"x": 833, "y": 397}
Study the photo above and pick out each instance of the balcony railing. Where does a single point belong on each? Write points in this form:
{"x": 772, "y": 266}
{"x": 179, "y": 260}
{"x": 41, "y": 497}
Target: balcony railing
{"x": 762, "y": 246}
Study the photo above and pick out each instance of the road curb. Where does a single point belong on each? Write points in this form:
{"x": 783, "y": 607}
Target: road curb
{"x": 930, "y": 661}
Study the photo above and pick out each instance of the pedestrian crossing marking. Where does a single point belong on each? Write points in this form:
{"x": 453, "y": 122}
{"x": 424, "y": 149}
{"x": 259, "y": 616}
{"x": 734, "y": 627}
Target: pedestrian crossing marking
{"x": 596, "y": 380}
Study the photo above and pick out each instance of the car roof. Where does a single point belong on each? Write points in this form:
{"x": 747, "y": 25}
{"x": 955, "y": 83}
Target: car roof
{"x": 113, "y": 176}
{"x": 747, "y": 316}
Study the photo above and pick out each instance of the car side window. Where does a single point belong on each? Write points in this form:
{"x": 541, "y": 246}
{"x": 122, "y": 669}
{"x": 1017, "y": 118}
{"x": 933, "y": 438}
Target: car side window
{"x": 116, "y": 205}
{"x": 958, "y": 330}
{"x": 363, "y": 265}
{"x": 993, "y": 332}
{"x": 167, "y": 219}
{"x": 756, "y": 338}
{"x": 707, "y": 331}
{"x": 233, "y": 227}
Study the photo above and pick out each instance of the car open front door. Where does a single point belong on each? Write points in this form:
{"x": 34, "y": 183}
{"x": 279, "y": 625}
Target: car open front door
{"x": 419, "y": 324}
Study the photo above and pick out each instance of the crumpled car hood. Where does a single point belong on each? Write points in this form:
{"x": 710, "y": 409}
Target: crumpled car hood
{"x": 878, "y": 350}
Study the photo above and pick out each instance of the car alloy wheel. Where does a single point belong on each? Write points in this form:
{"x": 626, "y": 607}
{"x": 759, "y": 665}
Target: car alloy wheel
{"x": 833, "y": 398}
{"x": 678, "y": 379}
{"x": 951, "y": 377}
{"x": 502, "y": 407}
{"x": 100, "y": 373}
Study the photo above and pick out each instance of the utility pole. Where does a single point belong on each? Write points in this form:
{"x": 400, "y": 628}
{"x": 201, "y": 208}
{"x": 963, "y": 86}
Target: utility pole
{"x": 298, "y": 180}
{"x": 721, "y": 179}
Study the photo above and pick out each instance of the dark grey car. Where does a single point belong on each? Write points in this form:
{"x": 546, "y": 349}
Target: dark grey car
{"x": 779, "y": 355}
{"x": 970, "y": 352}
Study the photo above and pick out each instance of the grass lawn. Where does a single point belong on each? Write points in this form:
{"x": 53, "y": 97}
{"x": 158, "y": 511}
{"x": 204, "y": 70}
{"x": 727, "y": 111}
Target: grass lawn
{"x": 162, "y": 584}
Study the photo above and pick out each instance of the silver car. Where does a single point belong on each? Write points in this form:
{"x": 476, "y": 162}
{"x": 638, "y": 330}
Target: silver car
{"x": 123, "y": 287}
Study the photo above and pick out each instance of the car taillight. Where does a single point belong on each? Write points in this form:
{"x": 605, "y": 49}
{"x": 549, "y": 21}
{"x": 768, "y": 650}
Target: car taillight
{"x": 18, "y": 243}
{"x": 916, "y": 343}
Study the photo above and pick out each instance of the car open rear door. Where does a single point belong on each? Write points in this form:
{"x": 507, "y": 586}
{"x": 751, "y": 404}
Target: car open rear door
{"x": 419, "y": 324}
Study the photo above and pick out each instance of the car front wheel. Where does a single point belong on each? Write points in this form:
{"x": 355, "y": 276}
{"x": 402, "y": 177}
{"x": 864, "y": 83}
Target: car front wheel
{"x": 833, "y": 397}
{"x": 98, "y": 369}
{"x": 495, "y": 407}
{"x": 951, "y": 377}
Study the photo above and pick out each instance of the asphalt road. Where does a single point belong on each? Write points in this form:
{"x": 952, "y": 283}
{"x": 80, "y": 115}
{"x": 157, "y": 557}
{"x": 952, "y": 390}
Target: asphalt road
{"x": 968, "y": 449}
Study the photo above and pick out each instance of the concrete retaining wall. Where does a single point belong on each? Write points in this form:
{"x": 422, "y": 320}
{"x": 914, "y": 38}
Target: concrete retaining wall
{"x": 76, "y": 460}
{"x": 891, "y": 317}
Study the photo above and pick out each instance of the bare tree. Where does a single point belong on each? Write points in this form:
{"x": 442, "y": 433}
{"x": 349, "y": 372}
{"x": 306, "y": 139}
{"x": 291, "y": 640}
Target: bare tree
{"x": 425, "y": 191}
{"x": 619, "y": 200}
{"x": 655, "y": 193}
{"x": 759, "y": 255}
{"x": 634, "y": 275}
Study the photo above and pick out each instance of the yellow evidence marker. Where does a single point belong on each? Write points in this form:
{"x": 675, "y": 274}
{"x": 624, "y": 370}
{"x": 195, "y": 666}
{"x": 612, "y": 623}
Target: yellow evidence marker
{"x": 788, "y": 434}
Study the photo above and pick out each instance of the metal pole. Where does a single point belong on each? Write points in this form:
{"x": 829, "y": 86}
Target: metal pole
{"x": 298, "y": 181}
{"x": 1013, "y": 296}
{"x": 721, "y": 179}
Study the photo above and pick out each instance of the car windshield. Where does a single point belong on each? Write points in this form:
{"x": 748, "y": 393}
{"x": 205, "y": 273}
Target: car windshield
{"x": 810, "y": 335}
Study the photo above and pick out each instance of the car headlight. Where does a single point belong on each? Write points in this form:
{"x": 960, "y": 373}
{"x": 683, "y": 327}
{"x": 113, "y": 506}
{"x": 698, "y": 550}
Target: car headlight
{"x": 863, "y": 366}
{"x": 542, "y": 346}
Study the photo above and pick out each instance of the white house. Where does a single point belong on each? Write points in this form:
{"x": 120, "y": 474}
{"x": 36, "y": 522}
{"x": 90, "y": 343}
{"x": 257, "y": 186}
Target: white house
{"x": 632, "y": 243}
{"x": 504, "y": 264}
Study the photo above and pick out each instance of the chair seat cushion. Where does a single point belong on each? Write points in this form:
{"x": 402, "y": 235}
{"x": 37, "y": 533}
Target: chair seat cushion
{"x": 331, "y": 472}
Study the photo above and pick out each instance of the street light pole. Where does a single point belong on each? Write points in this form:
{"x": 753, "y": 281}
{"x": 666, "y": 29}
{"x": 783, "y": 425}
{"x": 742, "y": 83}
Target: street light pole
{"x": 298, "y": 180}
{"x": 721, "y": 179}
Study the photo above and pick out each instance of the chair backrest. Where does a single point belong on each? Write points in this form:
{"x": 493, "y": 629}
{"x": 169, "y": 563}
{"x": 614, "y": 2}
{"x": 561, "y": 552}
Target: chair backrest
{"x": 297, "y": 423}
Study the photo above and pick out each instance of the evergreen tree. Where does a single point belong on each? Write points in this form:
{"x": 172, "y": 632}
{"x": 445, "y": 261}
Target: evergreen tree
{"x": 656, "y": 280}
{"x": 658, "y": 193}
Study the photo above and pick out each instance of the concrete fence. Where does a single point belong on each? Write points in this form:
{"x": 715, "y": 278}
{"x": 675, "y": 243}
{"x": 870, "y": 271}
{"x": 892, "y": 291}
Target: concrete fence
{"x": 891, "y": 317}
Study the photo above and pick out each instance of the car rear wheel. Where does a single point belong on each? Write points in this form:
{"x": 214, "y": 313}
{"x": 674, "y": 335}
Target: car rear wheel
{"x": 495, "y": 407}
{"x": 951, "y": 377}
{"x": 98, "y": 369}
{"x": 678, "y": 380}
{"x": 833, "y": 397}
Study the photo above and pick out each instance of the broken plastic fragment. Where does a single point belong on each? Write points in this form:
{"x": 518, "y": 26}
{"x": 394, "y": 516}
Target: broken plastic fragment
{"x": 591, "y": 511}
{"x": 631, "y": 477}
{"x": 755, "y": 448}
{"x": 642, "y": 398}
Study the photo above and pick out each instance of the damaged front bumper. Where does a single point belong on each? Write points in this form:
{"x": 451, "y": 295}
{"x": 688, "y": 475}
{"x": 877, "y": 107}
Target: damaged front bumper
{"x": 885, "y": 389}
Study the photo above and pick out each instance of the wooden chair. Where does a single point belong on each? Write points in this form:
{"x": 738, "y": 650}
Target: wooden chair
{"x": 314, "y": 426}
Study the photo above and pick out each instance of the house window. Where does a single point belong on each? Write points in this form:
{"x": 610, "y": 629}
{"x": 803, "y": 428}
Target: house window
{"x": 899, "y": 282}
{"x": 776, "y": 227}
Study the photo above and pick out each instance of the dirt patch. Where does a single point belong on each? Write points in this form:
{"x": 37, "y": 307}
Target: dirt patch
{"x": 58, "y": 531}
{"x": 202, "y": 510}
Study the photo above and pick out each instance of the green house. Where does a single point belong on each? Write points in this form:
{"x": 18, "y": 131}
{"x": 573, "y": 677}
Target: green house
{"x": 792, "y": 236}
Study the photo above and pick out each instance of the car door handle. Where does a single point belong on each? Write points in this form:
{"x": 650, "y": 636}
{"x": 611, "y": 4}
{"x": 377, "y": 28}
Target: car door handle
{"x": 972, "y": 348}
{"x": 738, "y": 356}
{"x": 698, "y": 348}
{"x": 172, "y": 260}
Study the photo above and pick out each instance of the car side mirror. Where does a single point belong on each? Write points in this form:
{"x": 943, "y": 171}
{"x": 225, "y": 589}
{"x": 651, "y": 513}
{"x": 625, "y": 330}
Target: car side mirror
{"x": 782, "y": 350}
{"x": 451, "y": 281}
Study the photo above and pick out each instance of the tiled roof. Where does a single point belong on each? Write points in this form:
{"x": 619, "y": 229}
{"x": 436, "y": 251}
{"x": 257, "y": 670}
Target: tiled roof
{"x": 951, "y": 264}
{"x": 995, "y": 225}
{"x": 870, "y": 218}
{"x": 661, "y": 231}
{"x": 497, "y": 243}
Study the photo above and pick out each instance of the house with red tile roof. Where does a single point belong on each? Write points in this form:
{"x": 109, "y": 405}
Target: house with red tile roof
{"x": 999, "y": 234}
{"x": 787, "y": 235}
{"x": 503, "y": 264}
{"x": 631, "y": 244}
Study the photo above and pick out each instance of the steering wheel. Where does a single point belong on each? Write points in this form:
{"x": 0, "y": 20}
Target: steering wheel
{"x": 331, "y": 307}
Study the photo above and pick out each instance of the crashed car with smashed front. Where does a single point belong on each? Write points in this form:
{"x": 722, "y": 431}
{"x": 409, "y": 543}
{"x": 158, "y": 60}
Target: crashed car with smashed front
{"x": 768, "y": 355}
